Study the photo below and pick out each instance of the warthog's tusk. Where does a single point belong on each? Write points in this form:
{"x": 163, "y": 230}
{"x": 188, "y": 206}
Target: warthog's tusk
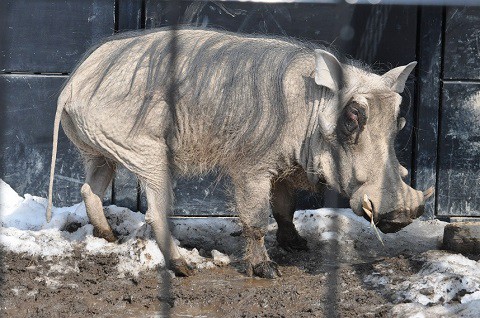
{"x": 368, "y": 209}
{"x": 367, "y": 206}
{"x": 428, "y": 193}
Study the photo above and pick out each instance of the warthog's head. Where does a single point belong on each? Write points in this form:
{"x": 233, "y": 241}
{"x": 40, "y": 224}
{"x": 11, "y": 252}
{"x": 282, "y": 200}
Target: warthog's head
{"x": 359, "y": 130}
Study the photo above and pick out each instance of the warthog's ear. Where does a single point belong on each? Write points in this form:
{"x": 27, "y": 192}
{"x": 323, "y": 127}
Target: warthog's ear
{"x": 397, "y": 77}
{"x": 328, "y": 70}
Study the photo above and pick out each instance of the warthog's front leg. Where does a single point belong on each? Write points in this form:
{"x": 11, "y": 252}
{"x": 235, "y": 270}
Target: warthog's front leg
{"x": 252, "y": 196}
{"x": 159, "y": 203}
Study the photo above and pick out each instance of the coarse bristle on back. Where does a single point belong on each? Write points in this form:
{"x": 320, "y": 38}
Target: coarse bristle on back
{"x": 239, "y": 78}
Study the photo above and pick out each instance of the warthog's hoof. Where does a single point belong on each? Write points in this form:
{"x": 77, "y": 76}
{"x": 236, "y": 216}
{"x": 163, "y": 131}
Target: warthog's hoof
{"x": 180, "y": 267}
{"x": 107, "y": 235}
{"x": 292, "y": 242}
{"x": 267, "y": 269}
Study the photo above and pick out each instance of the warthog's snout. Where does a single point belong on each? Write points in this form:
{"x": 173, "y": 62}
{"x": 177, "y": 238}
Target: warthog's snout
{"x": 393, "y": 221}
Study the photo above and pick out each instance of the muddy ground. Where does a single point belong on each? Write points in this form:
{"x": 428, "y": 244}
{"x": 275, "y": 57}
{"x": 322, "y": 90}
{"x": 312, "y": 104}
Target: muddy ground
{"x": 313, "y": 284}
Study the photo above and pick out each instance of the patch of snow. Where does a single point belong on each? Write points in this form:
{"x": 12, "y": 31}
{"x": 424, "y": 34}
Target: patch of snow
{"x": 450, "y": 276}
{"x": 9, "y": 199}
{"x": 138, "y": 254}
{"x": 416, "y": 310}
{"x": 446, "y": 284}
{"x": 24, "y": 230}
{"x": 220, "y": 259}
{"x": 41, "y": 243}
{"x": 357, "y": 239}
{"x": 194, "y": 258}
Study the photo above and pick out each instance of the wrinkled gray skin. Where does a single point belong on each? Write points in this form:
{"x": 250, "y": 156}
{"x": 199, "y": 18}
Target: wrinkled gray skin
{"x": 340, "y": 126}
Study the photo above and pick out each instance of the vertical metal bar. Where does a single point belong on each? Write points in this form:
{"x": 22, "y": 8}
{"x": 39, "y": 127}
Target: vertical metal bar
{"x": 429, "y": 72}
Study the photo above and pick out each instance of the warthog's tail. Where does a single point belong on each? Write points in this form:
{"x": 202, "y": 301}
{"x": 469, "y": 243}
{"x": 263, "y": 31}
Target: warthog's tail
{"x": 56, "y": 126}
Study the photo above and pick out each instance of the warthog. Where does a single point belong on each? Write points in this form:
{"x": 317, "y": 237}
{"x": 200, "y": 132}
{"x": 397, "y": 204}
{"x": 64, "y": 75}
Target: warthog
{"x": 272, "y": 114}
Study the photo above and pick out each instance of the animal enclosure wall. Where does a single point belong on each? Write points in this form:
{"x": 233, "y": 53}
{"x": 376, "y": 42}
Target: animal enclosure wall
{"x": 41, "y": 41}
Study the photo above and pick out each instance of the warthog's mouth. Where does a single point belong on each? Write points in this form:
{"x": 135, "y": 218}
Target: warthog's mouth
{"x": 393, "y": 221}
{"x": 392, "y": 226}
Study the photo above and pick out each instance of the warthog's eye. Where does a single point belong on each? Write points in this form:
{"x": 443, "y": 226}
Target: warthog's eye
{"x": 354, "y": 118}
{"x": 351, "y": 119}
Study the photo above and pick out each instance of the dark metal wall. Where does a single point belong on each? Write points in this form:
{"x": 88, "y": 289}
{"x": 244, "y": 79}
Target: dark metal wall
{"x": 40, "y": 42}
{"x": 447, "y": 150}
{"x": 459, "y": 131}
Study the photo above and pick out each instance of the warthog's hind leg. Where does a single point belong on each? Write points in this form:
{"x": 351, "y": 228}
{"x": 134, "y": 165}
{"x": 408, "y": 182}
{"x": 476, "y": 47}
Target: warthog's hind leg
{"x": 283, "y": 208}
{"x": 99, "y": 174}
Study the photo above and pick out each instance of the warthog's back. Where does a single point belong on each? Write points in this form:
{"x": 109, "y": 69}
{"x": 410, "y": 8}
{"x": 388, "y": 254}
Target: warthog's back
{"x": 222, "y": 95}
